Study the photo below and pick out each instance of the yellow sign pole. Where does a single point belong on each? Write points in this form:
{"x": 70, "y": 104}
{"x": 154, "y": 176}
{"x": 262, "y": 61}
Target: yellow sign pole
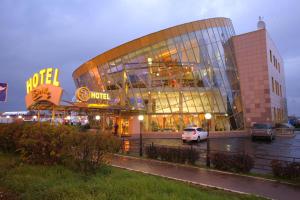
{"x": 38, "y": 117}
{"x": 53, "y": 114}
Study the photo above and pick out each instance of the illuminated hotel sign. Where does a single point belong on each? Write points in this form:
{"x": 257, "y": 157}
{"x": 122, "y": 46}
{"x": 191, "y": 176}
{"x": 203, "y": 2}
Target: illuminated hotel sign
{"x": 43, "y": 86}
{"x": 84, "y": 94}
{"x": 45, "y": 76}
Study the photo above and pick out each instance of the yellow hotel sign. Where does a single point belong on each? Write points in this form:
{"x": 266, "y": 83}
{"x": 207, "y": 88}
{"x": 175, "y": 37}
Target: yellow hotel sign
{"x": 84, "y": 94}
{"x": 43, "y": 86}
{"x": 45, "y": 76}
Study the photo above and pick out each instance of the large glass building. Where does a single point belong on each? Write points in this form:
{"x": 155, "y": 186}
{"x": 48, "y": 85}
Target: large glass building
{"x": 173, "y": 76}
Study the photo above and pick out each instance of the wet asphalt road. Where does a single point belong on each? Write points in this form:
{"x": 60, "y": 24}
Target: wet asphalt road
{"x": 281, "y": 146}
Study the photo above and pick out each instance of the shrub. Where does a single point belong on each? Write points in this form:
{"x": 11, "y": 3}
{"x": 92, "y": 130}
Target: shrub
{"x": 43, "y": 143}
{"x": 235, "y": 162}
{"x": 284, "y": 169}
{"x": 193, "y": 156}
{"x": 151, "y": 151}
{"x": 171, "y": 154}
{"x": 86, "y": 152}
{"x": 9, "y": 135}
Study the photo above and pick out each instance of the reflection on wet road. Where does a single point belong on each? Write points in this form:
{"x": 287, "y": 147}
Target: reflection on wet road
{"x": 281, "y": 146}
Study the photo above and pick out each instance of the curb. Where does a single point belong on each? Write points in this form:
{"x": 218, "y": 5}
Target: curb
{"x": 212, "y": 170}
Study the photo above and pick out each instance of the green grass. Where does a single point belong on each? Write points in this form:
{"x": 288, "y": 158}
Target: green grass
{"x": 58, "y": 182}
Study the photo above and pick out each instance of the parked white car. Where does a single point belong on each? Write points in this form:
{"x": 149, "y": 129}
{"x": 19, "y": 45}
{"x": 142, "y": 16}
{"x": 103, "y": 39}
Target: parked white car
{"x": 194, "y": 134}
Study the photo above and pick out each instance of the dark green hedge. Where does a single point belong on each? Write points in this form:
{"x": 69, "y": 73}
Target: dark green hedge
{"x": 172, "y": 154}
{"x": 233, "y": 162}
{"x": 284, "y": 169}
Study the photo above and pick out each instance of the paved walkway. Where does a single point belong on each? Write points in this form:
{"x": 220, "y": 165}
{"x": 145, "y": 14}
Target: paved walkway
{"x": 210, "y": 178}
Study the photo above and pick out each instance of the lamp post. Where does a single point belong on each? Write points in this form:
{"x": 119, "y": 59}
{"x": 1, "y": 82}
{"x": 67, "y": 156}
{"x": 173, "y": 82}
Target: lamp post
{"x": 97, "y": 117}
{"x": 207, "y": 117}
{"x": 141, "y": 118}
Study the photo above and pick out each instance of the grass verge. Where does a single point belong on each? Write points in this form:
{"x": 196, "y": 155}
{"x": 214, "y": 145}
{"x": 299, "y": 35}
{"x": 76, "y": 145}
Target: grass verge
{"x": 58, "y": 182}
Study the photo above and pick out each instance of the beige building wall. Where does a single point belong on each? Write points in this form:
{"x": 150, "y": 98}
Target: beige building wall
{"x": 262, "y": 100}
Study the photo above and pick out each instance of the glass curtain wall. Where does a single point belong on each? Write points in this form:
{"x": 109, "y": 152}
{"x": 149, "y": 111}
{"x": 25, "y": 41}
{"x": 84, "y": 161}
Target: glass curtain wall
{"x": 177, "y": 80}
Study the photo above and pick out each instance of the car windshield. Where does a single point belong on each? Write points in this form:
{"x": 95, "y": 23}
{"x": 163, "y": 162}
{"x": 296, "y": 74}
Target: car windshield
{"x": 189, "y": 129}
{"x": 261, "y": 126}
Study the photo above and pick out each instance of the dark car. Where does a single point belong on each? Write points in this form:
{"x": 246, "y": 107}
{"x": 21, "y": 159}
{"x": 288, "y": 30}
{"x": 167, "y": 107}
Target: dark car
{"x": 263, "y": 130}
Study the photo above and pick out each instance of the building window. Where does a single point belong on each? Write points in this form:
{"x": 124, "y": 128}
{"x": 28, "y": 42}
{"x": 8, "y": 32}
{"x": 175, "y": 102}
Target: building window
{"x": 274, "y": 59}
{"x": 270, "y": 56}
{"x": 279, "y": 67}
{"x": 272, "y": 84}
{"x": 280, "y": 91}
{"x": 276, "y": 87}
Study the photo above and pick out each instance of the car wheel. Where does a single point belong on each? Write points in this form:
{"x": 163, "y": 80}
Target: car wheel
{"x": 198, "y": 139}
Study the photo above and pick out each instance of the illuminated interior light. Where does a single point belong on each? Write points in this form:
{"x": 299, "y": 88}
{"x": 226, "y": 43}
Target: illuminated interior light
{"x": 97, "y": 117}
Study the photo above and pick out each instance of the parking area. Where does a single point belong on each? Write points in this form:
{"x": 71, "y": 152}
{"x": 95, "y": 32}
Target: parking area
{"x": 281, "y": 146}
{"x": 263, "y": 151}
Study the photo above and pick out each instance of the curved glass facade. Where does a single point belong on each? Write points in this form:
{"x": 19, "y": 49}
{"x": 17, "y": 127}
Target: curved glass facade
{"x": 175, "y": 80}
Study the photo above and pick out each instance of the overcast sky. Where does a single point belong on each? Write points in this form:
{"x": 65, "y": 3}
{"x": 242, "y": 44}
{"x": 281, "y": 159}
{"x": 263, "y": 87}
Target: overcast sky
{"x": 35, "y": 34}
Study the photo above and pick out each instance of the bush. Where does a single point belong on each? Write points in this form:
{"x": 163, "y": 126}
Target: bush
{"x": 152, "y": 152}
{"x": 9, "y": 134}
{"x": 284, "y": 169}
{"x": 86, "y": 152}
{"x": 170, "y": 154}
{"x": 43, "y": 143}
{"x": 84, "y": 128}
{"x": 235, "y": 162}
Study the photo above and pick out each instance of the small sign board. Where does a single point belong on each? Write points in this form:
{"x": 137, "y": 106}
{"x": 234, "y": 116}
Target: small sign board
{"x": 3, "y": 92}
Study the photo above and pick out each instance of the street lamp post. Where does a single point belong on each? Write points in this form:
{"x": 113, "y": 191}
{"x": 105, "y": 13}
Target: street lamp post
{"x": 141, "y": 118}
{"x": 98, "y": 120}
{"x": 208, "y": 118}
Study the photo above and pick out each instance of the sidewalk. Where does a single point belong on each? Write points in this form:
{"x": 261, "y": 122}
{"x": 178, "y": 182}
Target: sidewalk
{"x": 210, "y": 178}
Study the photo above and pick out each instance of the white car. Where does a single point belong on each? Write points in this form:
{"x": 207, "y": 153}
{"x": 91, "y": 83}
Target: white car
{"x": 194, "y": 134}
